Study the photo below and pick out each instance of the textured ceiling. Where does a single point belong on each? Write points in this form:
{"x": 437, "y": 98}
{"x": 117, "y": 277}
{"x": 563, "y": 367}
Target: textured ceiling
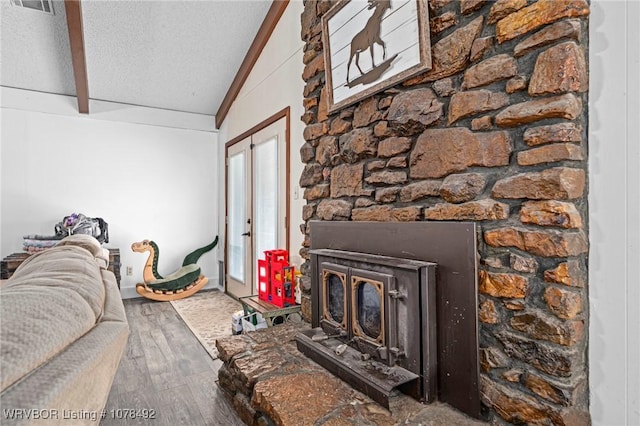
{"x": 35, "y": 50}
{"x": 177, "y": 55}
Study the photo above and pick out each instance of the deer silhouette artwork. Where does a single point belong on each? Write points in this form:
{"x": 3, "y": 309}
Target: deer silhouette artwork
{"x": 370, "y": 35}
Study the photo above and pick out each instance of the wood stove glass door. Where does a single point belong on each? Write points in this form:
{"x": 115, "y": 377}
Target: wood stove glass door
{"x": 335, "y": 296}
{"x": 368, "y": 305}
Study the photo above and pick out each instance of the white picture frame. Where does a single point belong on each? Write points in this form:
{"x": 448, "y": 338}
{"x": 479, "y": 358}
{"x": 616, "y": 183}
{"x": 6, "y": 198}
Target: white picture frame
{"x": 372, "y": 45}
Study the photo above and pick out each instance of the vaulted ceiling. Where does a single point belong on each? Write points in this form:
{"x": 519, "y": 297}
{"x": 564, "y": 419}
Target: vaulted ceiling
{"x": 175, "y": 55}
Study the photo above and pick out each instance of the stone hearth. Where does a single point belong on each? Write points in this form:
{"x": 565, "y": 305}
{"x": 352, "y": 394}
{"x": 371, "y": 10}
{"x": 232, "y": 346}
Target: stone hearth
{"x": 269, "y": 381}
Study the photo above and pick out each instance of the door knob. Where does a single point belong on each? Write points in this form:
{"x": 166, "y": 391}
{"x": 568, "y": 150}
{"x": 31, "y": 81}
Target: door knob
{"x": 246, "y": 234}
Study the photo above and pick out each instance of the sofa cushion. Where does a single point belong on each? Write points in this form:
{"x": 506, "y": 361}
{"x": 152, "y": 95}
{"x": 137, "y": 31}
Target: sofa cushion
{"x": 67, "y": 267}
{"x": 53, "y": 298}
{"x": 89, "y": 243}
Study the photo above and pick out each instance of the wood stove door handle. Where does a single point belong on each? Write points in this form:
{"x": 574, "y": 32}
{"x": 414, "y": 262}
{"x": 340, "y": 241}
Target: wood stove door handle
{"x": 395, "y": 294}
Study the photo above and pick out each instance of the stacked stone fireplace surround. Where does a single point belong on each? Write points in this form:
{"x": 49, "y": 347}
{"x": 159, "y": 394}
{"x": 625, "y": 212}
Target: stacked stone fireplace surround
{"x": 494, "y": 133}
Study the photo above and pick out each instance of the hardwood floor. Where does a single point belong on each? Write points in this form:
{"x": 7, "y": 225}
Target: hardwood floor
{"x": 165, "y": 373}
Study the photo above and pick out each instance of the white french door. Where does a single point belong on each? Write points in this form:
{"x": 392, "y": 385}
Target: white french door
{"x": 256, "y": 204}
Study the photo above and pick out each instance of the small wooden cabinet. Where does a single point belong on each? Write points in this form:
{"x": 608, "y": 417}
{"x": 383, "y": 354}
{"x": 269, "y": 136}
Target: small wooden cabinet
{"x": 10, "y": 263}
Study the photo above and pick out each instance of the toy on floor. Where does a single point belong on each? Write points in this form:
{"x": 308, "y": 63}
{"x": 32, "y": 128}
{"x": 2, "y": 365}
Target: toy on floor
{"x": 182, "y": 283}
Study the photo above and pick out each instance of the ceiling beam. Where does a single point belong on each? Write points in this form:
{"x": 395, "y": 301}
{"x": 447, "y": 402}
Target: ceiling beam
{"x": 76, "y": 41}
{"x": 262, "y": 37}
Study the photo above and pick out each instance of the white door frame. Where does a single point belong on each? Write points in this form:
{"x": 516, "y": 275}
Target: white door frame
{"x": 284, "y": 215}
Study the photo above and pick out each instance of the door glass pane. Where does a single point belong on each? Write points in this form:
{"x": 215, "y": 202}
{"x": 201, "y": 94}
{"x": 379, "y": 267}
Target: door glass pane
{"x": 237, "y": 215}
{"x": 265, "y": 193}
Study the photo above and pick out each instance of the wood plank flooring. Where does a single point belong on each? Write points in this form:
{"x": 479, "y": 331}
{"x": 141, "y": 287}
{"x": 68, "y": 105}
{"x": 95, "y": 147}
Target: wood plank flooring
{"x": 166, "y": 371}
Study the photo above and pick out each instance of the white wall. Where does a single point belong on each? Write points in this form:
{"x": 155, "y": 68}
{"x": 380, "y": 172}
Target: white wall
{"x": 614, "y": 206}
{"x": 146, "y": 180}
{"x": 274, "y": 84}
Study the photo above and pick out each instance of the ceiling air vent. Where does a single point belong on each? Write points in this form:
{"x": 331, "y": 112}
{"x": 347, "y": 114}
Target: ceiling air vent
{"x": 45, "y": 6}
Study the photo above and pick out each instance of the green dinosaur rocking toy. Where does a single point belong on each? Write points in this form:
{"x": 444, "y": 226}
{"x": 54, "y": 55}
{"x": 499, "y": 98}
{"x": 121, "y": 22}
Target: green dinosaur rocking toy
{"x": 180, "y": 284}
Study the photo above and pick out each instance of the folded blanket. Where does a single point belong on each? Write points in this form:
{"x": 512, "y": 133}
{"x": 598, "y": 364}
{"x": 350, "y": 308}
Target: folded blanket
{"x": 43, "y": 237}
{"x": 35, "y": 245}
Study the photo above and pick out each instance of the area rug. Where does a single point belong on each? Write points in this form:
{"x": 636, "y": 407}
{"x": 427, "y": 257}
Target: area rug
{"x": 208, "y": 315}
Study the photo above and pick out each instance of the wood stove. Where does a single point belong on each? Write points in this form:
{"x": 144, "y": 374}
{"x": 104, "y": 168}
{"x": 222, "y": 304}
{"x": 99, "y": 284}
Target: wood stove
{"x": 394, "y": 306}
{"x": 375, "y": 308}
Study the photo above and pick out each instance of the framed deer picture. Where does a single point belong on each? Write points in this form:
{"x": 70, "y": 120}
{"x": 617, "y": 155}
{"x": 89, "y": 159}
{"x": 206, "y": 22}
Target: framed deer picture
{"x": 372, "y": 45}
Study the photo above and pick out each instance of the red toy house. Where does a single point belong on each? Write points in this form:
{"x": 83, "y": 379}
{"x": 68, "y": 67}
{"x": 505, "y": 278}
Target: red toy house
{"x": 276, "y": 279}
{"x": 282, "y": 285}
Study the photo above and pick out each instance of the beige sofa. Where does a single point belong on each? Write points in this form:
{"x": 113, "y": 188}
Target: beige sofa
{"x": 63, "y": 331}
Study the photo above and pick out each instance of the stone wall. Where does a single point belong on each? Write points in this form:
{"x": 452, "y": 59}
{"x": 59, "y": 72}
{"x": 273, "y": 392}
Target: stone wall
{"x": 494, "y": 133}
